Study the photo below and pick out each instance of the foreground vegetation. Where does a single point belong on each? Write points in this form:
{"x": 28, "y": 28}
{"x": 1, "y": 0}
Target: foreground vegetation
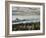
{"x": 27, "y": 26}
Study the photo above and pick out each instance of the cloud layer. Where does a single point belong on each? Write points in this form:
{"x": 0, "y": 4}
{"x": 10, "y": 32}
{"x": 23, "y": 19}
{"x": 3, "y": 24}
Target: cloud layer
{"x": 25, "y": 11}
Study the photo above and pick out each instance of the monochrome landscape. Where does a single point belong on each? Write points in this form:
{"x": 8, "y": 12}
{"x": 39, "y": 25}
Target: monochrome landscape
{"x": 25, "y": 18}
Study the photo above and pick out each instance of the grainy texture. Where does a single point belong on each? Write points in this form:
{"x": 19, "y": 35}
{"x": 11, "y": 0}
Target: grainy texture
{"x": 7, "y": 20}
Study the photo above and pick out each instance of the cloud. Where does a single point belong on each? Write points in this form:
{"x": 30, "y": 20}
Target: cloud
{"x": 25, "y": 11}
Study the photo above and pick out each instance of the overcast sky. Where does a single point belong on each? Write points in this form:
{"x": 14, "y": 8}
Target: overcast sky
{"x": 25, "y": 11}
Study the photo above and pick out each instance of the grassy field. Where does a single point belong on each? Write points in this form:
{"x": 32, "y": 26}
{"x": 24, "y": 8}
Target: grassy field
{"x": 27, "y": 26}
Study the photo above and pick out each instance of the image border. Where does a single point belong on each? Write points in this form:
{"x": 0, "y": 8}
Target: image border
{"x": 7, "y": 4}
{"x": 33, "y": 31}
